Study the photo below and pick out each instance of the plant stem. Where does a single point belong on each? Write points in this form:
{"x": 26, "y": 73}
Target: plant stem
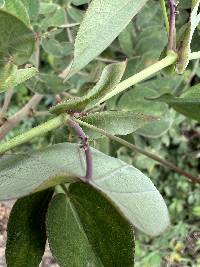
{"x": 34, "y": 132}
{"x": 142, "y": 151}
{"x": 165, "y": 16}
{"x": 142, "y": 75}
{"x": 172, "y": 26}
{"x": 88, "y": 155}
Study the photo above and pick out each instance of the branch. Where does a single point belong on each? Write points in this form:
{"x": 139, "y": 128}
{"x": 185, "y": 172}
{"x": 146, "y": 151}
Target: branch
{"x": 20, "y": 115}
{"x": 7, "y": 99}
{"x": 142, "y": 151}
{"x": 88, "y": 155}
{"x": 172, "y": 26}
{"x": 34, "y": 132}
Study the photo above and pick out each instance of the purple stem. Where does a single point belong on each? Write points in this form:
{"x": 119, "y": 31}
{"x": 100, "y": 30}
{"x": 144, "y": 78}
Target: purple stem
{"x": 88, "y": 155}
{"x": 172, "y": 26}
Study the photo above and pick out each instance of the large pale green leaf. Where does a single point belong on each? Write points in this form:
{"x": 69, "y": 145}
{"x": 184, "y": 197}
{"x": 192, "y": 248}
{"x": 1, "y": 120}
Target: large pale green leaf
{"x": 17, "y": 8}
{"x": 26, "y": 230}
{"x": 185, "y": 42}
{"x": 103, "y": 22}
{"x": 129, "y": 190}
{"x": 16, "y": 39}
{"x": 110, "y": 77}
{"x": 187, "y": 104}
{"x": 116, "y": 122}
{"x": 86, "y": 223}
{"x": 11, "y": 76}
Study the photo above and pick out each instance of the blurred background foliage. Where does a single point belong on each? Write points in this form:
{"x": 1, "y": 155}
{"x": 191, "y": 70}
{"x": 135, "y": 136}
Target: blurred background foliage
{"x": 173, "y": 137}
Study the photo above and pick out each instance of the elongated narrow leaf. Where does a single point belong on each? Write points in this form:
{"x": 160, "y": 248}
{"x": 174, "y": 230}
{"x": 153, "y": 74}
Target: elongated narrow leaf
{"x": 87, "y": 223}
{"x": 116, "y": 122}
{"x": 16, "y": 39}
{"x": 26, "y": 230}
{"x": 11, "y": 76}
{"x": 188, "y": 104}
{"x": 130, "y": 191}
{"x": 185, "y": 42}
{"x": 97, "y": 32}
{"x": 110, "y": 77}
{"x": 17, "y": 8}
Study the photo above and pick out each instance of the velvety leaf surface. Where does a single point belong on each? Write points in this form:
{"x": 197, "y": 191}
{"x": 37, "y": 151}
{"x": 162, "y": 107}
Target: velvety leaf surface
{"x": 26, "y": 230}
{"x": 129, "y": 190}
{"x": 116, "y": 122}
{"x": 32, "y": 8}
{"x": 86, "y": 223}
{"x": 16, "y": 38}
{"x": 188, "y": 104}
{"x": 110, "y": 77}
{"x": 103, "y": 22}
{"x": 11, "y": 76}
{"x": 17, "y": 8}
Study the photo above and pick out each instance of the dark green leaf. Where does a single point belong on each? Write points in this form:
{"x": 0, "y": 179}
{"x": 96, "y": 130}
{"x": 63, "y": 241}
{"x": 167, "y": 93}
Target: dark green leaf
{"x": 128, "y": 189}
{"x": 87, "y": 223}
{"x": 26, "y": 230}
{"x": 110, "y": 77}
{"x": 188, "y": 104}
{"x": 16, "y": 39}
{"x": 116, "y": 122}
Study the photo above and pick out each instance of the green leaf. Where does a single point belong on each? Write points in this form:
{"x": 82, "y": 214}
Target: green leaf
{"x": 87, "y": 223}
{"x": 109, "y": 79}
{"x": 184, "y": 50}
{"x": 136, "y": 100}
{"x": 188, "y": 104}
{"x": 17, "y": 8}
{"x": 55, "y": 48}
{"x": 76, "y": 14}
{"x": 125, "y": 40}
{"x": 47, "y": 8}
{"x": 126, "y": 187}
{"x": 157, "y": 128}
{"x": 26, "y": 230}
{"x": 32, "y": 8}
{"x": 16, "y": 39}
{"x": 116, "y": 122}
{"x": 96, "y": 32}
{"x": 54, "y": 20}
{"x": 80, "y": 2}
{"x": 47, "y": 84}
{"x": 11, "y": 76}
